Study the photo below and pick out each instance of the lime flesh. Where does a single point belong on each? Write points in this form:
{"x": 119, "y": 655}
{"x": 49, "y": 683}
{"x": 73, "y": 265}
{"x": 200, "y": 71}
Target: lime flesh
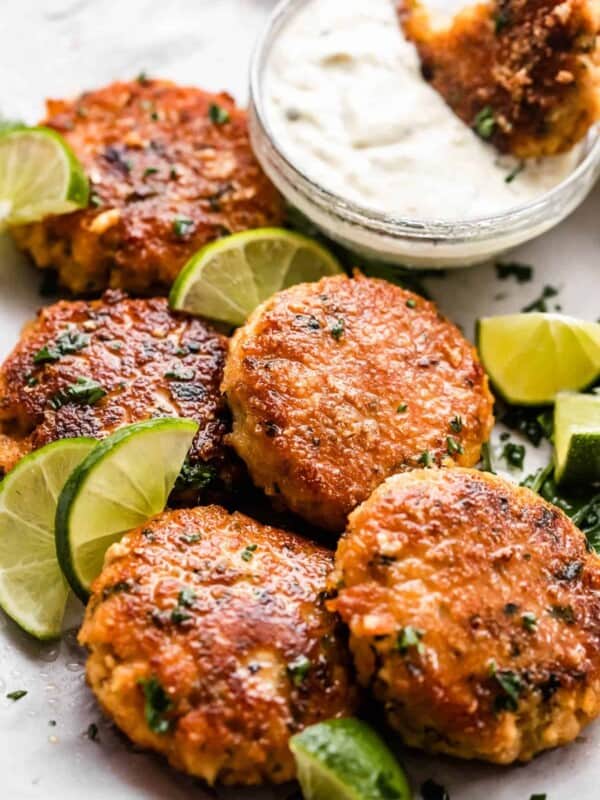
{"x": 530, "y": 358}
{"x": 227, "y": 279}
{"x": 345, "y": 759}
{"x": 39, "y": 175}
{"x": 33, "y": 590}
{"x": 577, "y": 438}
{"x": 123, "y": 482}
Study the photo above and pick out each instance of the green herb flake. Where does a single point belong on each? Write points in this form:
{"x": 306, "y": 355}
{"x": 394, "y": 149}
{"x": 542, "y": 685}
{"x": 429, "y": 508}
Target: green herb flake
{"x": 522, "y": 273}
{"x": 453, "y": 446}
{"x": 485, "y": 123}
{"x": 150, "y": 171}
{"x": 182, "y": 226}
{"x": 336, "y": 329}
{"x": 67, "y": 343}
{"x": 515, "y": 172}
{"x": 180, "y": 373}
{"x": 511, "y": 686}
{"x": 409, "y": 637}
{"x": 95, "y": 200}
{"x": 16, "y": 695}
{"x": 142, "y": 78}
{"x": 411, "y": 303}
{"x": 186, "y": 597}
{"x": 541, "y": 302}
{"x": 514, "y": 454}
{"x": 529, "y": 621}
{"x": 456, "y": 424}
{"x": 298, "y": 669}
{"x": 84, "y": 392}
{"x": 402, "y": 408}
{"x": 248, "y": 552}
{"x": 510, "y": 609}
{"x": 191, "y": 538}
{"x": 31, "y": 380}
{"x": 217, "y": 114}
{"x": 425, "y": 459}
{"x": 179, "y": 615}
{"x": 157, "y": 704}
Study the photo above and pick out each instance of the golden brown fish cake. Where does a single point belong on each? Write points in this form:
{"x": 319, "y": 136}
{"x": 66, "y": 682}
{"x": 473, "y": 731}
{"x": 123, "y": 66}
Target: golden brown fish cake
{"x": 142, "y": 360}
{"x": 335, "y": 385}
{"x": 218, "y": 624}
{"x": 474, "y": 614}
{"x": 524, "y": 74}
{"x": 170, "y": 168}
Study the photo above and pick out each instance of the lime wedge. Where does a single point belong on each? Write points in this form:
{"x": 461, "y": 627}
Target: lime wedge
{"x": 227, "y": 279}
{"x": 126, "y": 479}
{"x": 346, "y": 759}
{"x": 33, "y": 590}
{"x": 530, "y": 358}
{"x": 577, "y": 438}
{"x": 39, "y": 175}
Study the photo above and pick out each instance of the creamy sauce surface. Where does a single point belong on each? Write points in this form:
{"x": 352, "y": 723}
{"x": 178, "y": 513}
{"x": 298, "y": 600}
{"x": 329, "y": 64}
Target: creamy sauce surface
{"x": 347, "y": 104}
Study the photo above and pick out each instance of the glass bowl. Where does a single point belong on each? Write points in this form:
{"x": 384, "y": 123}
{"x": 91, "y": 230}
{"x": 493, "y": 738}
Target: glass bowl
{"x": 400, "y": 240}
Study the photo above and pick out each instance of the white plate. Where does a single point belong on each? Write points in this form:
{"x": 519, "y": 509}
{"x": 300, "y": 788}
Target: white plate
{"x": 58, "y": 48}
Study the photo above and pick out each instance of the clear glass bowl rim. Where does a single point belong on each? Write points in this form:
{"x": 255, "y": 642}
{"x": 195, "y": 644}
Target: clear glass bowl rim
{"x": 472, "y": 229}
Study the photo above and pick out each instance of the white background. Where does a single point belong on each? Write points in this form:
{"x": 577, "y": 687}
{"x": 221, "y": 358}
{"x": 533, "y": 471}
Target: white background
{"x": 60, "y": 47}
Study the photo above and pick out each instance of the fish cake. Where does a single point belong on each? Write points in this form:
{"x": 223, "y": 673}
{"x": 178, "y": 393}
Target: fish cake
{"x": 87, "y": 368}
{"x": 210, "y": 643}
{"x": 474, "y": 614}
{"x": 336, "y": 385}
{"x": 170, "y": 169}
{"x": 525, "y": 75}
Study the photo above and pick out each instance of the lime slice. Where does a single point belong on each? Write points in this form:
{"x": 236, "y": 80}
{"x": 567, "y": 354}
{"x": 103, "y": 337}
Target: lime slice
{"x": 126, "y": 479}
{"x": 33, "y": 590}
{"x": 346, "y": 759}
{"x": 39, "y": 175}
{"x": 532, "y": 357}
{"x": 227, "y": 279}
{"x": 577, "y": 438}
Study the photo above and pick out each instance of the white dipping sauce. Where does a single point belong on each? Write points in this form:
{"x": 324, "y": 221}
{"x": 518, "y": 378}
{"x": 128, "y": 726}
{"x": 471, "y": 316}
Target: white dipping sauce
{"x": 347, "y": 105}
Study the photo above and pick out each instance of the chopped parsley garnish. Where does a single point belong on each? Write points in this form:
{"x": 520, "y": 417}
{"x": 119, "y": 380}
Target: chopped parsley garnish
{"x": 150, "y": 171}
{"x": 485, "y": 122}
{"x": 192, "y": 538}
{"x": 486, "y": 459}
{"x": 67, "y": 343}
{"x": 454, "y": 447}
{"x": 511, "y": 686}
{"x": 156, "y": 705}
{"x": 409, "y": 637}
{"x": 95, "y": 200}
{"x": 142, "y": 78}
{"x": 563, "y": 613}
{"x": 180, "y": 373}
{"x": 92, "y": 732}
{"x": 298, "y": 670}
{"x": 195, "y": 476}
{"x": 402, "y": 408}
{"x": 534, "y": 423}
{"x": 515, "y": 172}
{"x": 182, "y": 226}
{"x": 410, "y": 303}
{"x": 430, "y": 790}
{"x": 116, "y": 588}
{"x": 513, "y": 269}
{"x": 17, "y": 694}
{"x": 514, "y": 454}
{"x": 540, "y": 303}
{"x": 84, "y": 392}
{"x": 248, "y": 552}
{"x": 31, "y": 380}
{"x": 179, "y": 615}
{"x": 510, "y": 609}
{"x": 186, "y": 597}
{"x": 218, "y": 115}
{"x": 529, "y": 621}
{"x": 456, "y": 424}
{"x": 336, "y": 329}
{"x": 426, "y": 459}
{"x": 501, "y": 20}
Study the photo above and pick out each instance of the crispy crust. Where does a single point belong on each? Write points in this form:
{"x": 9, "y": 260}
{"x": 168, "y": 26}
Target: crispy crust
{"x": 316, "y": 412}
{"x": 500, "y": 586}
{"x": 228, "y": 668}
{"x": 530, "y": 66}
{"x": 130, "y": 346}
{"x": 153, "y": 155}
